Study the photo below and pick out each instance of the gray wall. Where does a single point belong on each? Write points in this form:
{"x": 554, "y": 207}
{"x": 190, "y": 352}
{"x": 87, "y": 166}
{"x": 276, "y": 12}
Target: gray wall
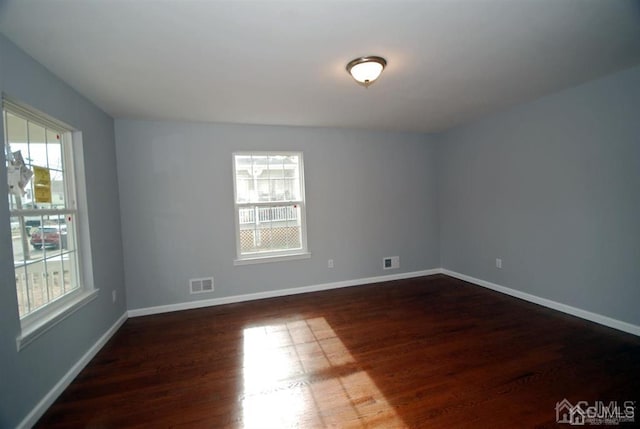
{"x": 553, "y": 188}
{"x": 369, "y": 195}
{"x": 27, "y": 376}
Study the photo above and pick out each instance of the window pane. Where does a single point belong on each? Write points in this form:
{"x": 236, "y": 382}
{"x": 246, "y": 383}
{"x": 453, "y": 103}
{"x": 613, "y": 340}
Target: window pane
{"x": 37, "y": 145}
{"x": 70, "y": 272}
{"x": 260, "y": 163}
{"x": 265, "y": 229}
{"x": 292, "y": 174}
{"x": 57, "y": 191}
{"x": 16, "y": 134}
{"x": 56, "y": 169}
{"x": 244, "y": 190}
{"x": 264, "y": 188}
{"x": 68, "y": 241}
{"x": 276, "y": 190}
{"x": 24, "y": 301}
{"x": 243, "y": 178}
{"x": 55, "y": 280}
{"x": 54, "y": 150}
{"x": 275, "y": 166}
{"x": 292, "y": 189}
{"x": 37, "y": 287}
{"x": 252, "y": 179}
{"x": 16, "y": 130}
{"x": 243, "y": 163}
{"x": 16, "y": 239}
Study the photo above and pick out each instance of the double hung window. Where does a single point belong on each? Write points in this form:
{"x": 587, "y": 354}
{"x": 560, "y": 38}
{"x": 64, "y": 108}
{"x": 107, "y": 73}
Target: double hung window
{"x": 43, "y": 212}
{"x": 269, "y": 205}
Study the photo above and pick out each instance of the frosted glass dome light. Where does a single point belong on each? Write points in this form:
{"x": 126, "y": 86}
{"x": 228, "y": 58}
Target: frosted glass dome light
{"x": 366, "y": 70}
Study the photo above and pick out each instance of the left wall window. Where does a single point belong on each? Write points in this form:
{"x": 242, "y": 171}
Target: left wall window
{"x": 44, "y": 214}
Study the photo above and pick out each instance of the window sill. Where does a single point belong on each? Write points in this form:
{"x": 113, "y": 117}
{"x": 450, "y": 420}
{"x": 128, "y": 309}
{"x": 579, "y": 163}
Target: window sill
{"x": 33, "y": 330}
{"x": 275, "y": 258}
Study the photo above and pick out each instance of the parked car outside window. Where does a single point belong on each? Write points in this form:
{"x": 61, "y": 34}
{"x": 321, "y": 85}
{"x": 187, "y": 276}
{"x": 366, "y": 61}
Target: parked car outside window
{"x": 50, "y": 237}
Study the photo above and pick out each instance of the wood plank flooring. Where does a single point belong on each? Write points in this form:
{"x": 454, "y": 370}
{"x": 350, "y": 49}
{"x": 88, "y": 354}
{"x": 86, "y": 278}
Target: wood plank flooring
{"x": 432, "y": 352}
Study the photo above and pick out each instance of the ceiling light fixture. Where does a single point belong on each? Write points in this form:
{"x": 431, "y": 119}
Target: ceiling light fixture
{"x": 365, "y": 70}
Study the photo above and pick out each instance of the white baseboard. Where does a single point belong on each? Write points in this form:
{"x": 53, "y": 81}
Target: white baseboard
{"x": 275, "y": 293}
{"x": 32, "y": 418}
{"x": 583, "y": 314}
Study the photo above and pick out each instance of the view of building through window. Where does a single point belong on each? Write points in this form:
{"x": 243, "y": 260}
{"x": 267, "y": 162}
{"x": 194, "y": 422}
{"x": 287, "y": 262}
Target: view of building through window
{"x": 269, "y": 190}
{"x": 42, "y": 208}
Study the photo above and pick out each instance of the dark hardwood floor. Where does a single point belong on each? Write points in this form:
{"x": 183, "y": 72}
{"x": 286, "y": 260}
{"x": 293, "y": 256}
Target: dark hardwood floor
{"x": 431, "y": 352}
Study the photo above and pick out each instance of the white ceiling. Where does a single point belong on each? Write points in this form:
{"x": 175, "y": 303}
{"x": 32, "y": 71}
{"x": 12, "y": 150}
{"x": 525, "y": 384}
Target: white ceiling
{"x": 283, "y": 62}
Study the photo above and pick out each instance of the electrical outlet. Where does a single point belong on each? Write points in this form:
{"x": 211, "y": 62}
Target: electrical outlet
{"x": 498, "y": 263}
{"x": 390, "y": 262}
{"x": 114, "y": 295}
{"x": 330, "y": 263}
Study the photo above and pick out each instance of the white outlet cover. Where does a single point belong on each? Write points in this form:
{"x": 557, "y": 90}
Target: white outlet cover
{"x": 391, "y": 262}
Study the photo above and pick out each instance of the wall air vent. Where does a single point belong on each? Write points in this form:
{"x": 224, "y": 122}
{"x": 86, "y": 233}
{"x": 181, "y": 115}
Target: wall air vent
{"x": 201, "y": 285}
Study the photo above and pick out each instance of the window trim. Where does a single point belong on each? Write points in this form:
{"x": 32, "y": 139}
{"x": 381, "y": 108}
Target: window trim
{"x": 272, "y": 258}
{"x": 42, "y": 319}
{"x": 278, "y": 255}
{"x": 57, "y": 311}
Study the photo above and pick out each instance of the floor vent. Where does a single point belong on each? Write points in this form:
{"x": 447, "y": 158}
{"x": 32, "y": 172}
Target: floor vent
{"x": 201, "y": 285}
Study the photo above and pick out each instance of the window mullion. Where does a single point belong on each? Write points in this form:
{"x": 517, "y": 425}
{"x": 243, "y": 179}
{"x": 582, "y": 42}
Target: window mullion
{"x": 61, "y": 271}
{"x": 45, "y": 274}
{"x": 27, "y": 287}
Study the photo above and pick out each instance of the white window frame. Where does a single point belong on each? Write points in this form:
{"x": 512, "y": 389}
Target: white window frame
{"x": 277, "y": 255}
{"x": 41, "y": 320}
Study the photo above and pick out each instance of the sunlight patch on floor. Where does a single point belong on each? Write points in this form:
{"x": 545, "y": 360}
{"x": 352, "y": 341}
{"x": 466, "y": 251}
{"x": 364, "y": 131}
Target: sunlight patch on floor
{"x": 300, "y": 374}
